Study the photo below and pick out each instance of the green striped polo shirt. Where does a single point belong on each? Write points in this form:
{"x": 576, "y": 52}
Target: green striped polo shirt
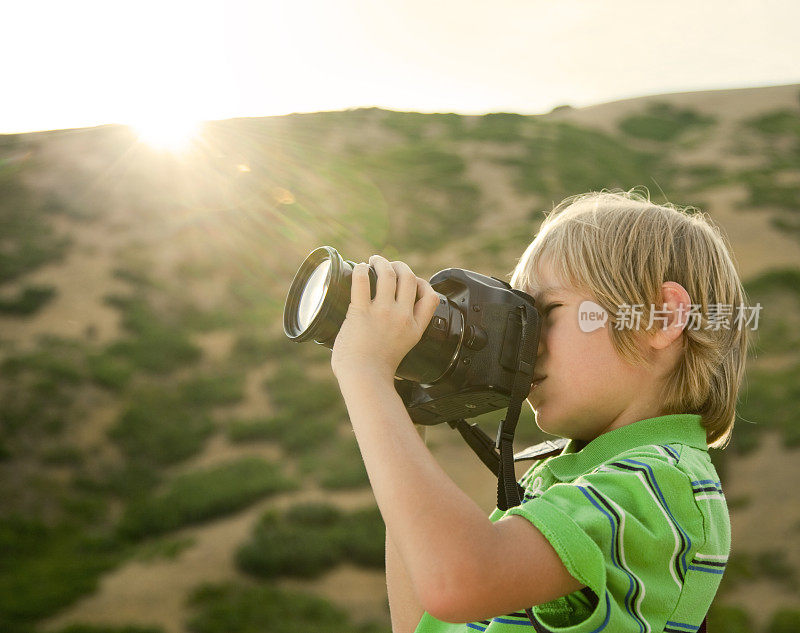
{"x": 638, "y": 516}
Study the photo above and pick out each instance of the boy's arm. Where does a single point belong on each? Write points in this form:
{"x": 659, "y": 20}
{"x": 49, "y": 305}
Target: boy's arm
{"x": 462, "y": 566}
{"x": 404, "y": 606}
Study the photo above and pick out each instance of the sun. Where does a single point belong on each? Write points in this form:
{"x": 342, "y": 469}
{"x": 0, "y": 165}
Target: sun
{"x": 170, "y": 134}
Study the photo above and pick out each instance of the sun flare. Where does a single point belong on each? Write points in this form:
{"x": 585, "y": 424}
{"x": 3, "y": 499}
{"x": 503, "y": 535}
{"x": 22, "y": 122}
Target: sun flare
{"x": 167, "y": 134}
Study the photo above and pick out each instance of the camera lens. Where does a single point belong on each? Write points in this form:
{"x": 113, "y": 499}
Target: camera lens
{"x": 319, "y": 296}
{"x": 313, "y": 294}
{"x": 316, "y": 307}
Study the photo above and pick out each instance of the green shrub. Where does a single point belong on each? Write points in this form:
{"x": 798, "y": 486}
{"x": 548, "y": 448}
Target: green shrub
{"x": 46, "y": 568}
{"x": 282, "y": 548}
{"x": 740, "y": 568}
{"x": 28, "y": 301}
{"x": 214, "y": 390}
{"x": 159, "y": 429}
{"x": 155, "y": 345}
{"x": 194, "y": 318}
{"x": 28, "y": 237}
{"x": 337, "y": 465}
{"x": 362, "y": 537}
{"x": 776, "y": 123}
{"x": 313, "y": 515}
{"x": 159, "y": 351}
{"x": 292, "y": 389}
{"x": 63, "y": 455}
{"x": 769, "y": 392}
{"x": 764, "y": 191}
{"x": 410, "y": 124}
{"x": 129, "y": 480}
{"x": 309, "y": 411}
{"x": 109, "y": 628}
{"x": 774, "y": 565}
{"x": 231, "y": 608}
{"x": 428, "y": 182}
{"x": 780, "y": 306}
{"x": 254, "y": 350}
{"x": 253, "y": 430}
{"x": 498, "y": 127}
{"x": 108, "y": 371}
{"x": 33, "y": 410}
{"x": 310, "y": 539}
{"x": 775, "y": 280}
{"x": 201, "y": 495}
{"x": 728, "y": 619}
{"x": 55, "y": 358}
{"x": 784, "y": 621}
{"x": 306, "y": 433}
{"x": 41, "y": 388}
{"x": 137, "y": 278}
{"x": 663, "y": 122}
{"x": 562, "y": 159}
{"x": 165, "y": 548}
{"x": 789, "y": 226}
{"x": 80, "y": 508}
{"x": 415, "y": 125}
{"x": 702, "y": 177}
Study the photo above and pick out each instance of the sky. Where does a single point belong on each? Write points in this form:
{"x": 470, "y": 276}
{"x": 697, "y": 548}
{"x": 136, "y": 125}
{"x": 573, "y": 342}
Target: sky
{"x": 169, "y": 62}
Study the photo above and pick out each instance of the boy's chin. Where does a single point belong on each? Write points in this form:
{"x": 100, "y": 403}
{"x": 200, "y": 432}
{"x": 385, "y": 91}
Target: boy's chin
{"x": 545, "y": 422}
{"x": 551, "y": 425}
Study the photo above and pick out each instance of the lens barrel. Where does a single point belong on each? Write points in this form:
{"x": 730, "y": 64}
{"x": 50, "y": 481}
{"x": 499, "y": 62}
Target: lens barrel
{"x": 317, "y": 303}
{"x": 319, "y": 296}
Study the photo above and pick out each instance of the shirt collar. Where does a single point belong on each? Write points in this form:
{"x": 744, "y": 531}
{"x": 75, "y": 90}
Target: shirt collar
{"x": 678, "y": 428}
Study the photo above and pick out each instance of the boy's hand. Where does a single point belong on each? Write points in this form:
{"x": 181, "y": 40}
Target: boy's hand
{"x": 377, "y": 334}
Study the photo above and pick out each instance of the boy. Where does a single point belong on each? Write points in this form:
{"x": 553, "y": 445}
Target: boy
{"x": 627, "y": 529}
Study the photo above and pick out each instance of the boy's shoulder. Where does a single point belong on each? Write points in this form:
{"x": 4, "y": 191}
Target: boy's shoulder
{"x": 678, "y": 475}
{"x": 653, "y": 454}
{"x": 675, "y": 458}
{"x": 684, "y": 457}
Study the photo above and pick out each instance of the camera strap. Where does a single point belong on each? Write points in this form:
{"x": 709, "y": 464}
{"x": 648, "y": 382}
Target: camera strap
{"x": 498, "y": 454}
{"x": 509, "y": 492}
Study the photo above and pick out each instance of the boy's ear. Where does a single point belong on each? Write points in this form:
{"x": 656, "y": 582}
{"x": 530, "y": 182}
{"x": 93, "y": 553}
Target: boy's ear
{"x": 675, "y": 308}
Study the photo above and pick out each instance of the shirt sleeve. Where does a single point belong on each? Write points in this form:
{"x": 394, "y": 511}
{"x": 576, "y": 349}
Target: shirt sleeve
{"x": 626, "y": 531}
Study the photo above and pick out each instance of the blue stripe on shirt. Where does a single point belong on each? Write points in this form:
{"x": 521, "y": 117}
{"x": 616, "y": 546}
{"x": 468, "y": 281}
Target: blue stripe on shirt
{"x": 633, "y": 586}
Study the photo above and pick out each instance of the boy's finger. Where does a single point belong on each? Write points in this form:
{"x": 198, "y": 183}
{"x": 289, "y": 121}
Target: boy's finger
{"x": 426, "y": 305}
{"x": 359, "y": 285}
{"x": 387, "y": 279}
{"x": 406, "y": 284}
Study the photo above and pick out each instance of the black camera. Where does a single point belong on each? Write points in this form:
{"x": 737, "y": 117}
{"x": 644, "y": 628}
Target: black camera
{"x": 468, "y": 358}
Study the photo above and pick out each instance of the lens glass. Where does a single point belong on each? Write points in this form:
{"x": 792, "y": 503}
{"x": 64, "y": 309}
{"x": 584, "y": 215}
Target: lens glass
{"x": 313, "y": 295}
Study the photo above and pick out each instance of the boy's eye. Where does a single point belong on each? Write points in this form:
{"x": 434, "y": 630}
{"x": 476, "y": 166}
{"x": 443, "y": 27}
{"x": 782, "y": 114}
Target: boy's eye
{"x": 550, "y": 307}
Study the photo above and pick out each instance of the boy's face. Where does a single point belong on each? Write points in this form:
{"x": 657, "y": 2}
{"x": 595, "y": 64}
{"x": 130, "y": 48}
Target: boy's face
{"x": 588, "y": 389}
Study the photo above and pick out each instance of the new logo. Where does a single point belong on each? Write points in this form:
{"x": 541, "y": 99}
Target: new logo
{"x": 591, "y": 316}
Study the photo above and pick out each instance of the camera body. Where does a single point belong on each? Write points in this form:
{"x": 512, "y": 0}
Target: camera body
{"x": 485, "y": 315}
{"x": 467, "y": 360}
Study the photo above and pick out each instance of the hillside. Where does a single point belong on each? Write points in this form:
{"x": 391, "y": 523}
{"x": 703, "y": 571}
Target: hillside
{"x": 170, "y": 461}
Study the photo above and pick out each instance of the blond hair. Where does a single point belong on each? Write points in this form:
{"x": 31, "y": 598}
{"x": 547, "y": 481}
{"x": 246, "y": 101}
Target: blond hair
{"x": 619, "y": 247}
